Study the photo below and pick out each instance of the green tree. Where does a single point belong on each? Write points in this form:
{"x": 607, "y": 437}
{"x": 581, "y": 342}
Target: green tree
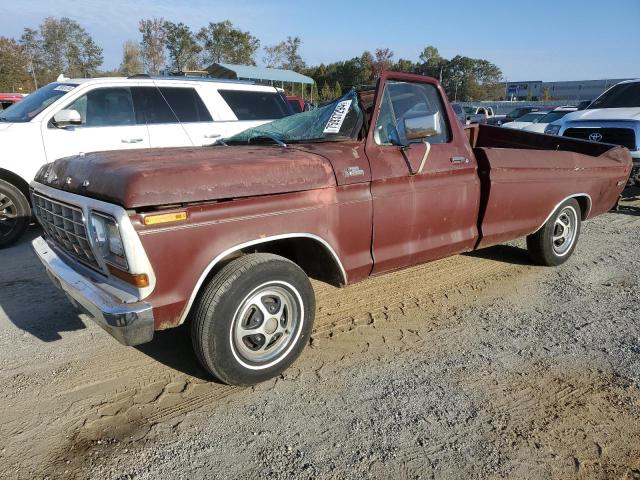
{"x": 181, "y": 46}
{"x": 222, "y": 42}
{"x": 337, "y": 89}
{"x": 131, "y": 59}
{"x": 366, "y": 67}
{"x": 13, "y": 66}
{"x": 315, "y": 97}
{"x": 152, "y": 44}
{"x": 404, "y": 65}
{"x": 60, "y": 46}
{"x": 326, "y": 93}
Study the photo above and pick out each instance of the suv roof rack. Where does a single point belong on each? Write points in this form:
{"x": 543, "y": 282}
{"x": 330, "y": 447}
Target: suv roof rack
{"x": 186, "y": 77}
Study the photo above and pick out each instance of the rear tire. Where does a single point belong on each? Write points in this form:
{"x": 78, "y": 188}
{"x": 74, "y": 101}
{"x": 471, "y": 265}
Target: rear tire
{"x": 15, "y": 213}
{"x": 555, "y": 242}
{"x": 253, "y": 319}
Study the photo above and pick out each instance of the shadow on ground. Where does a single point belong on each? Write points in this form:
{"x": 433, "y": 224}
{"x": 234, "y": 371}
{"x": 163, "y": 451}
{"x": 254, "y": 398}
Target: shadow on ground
{"x": 173, "y": 348}
{"x": 504, "y": 254}
{"x": 27, "y": 296}
{"x": 629, "y": 202}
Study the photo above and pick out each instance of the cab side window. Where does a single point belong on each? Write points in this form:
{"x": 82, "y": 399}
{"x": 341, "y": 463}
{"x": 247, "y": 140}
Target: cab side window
{"x": 105, "y": 107}
{"x": 403, "y": 101}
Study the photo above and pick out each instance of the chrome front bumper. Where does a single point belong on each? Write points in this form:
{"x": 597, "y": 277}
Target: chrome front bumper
{"x": 129, "y": 323}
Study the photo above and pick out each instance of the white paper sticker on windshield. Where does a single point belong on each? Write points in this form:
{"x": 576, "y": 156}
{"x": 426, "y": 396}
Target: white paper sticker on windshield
{"x": 337, "y": 117}
{"x": 64, "y": 88}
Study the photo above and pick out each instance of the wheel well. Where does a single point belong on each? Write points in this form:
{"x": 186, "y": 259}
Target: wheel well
{"x": 585, "y": 205}
{"x": 17, "y": 181}
{"x": 315, "y": 259}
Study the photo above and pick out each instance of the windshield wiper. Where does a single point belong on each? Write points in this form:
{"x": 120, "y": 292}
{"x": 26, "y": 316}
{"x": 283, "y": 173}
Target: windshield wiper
{"x": 269, "y": 137}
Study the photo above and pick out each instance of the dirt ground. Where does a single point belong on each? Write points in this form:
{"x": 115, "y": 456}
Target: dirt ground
{"x": 475, "y": 366}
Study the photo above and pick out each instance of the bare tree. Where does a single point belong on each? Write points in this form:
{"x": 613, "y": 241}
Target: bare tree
{"x": 382, "y": 61}
{"x": 152, "y": 44}
{"x": 285, "y": 55}
{"x": 131, "y": 58}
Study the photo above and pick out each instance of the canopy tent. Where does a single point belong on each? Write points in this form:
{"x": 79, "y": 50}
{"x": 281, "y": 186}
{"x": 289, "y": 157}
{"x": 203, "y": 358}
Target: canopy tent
{"x": 260, "y": 74}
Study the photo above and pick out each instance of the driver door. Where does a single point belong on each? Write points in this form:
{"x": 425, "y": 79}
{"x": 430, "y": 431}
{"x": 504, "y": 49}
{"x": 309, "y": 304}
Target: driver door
{"x": 108, "y": 123}
{"x": 419, "y": 215}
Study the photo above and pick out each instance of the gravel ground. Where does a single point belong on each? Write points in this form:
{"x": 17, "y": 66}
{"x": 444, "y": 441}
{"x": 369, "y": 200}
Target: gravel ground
{"x": 476, "y": 366}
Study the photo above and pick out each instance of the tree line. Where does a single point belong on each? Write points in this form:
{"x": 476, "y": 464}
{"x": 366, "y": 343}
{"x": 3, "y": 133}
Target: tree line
{"x": 61, "y": 45}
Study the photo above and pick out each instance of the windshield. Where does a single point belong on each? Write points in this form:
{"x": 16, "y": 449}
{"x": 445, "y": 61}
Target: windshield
{"x": 33, "y": 104}
{"x": 531, "y": 117}
{"x": 623, "y": 95}
{"x": 518, "y": 112}
{"x": 338, "y": 120}
{"x": 553, "y": 116}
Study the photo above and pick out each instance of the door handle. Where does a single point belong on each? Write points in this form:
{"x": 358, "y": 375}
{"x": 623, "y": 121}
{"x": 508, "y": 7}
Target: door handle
{"x": 212, "y": 135}
{"x": 459, "y": 160}
{"x": 131, "y": 140}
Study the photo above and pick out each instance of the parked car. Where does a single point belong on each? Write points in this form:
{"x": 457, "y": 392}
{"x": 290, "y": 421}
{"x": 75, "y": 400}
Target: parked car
{"x": 555, "y": 114}
{"x": 296, "y": 103}
{"x": 8, "y": 99}
{"x": 479, "y": 114}
{"x": 526, "y": 120}
{"x": 86, "y": 115}
{"x": 227, "y": 237}
{"x": 583, "y": 104}
{"x": 513, "y": 115}
{"x": 460, "y": 113}
{"x": 613, "y": 117}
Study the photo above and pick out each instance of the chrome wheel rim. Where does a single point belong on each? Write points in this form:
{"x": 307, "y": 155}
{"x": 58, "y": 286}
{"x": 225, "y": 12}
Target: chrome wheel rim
{"x": 8, "y": 215}
{"x": 267, "y": 324}
{"x": 564, "y": 231}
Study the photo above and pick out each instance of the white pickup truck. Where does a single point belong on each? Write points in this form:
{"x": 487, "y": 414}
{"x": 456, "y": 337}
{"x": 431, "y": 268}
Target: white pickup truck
{"x": 71, "y": 117}
{"x": 613, "y": 117}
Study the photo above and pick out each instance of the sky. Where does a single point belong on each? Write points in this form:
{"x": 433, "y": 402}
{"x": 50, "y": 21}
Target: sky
{"x": 528, "y": 39}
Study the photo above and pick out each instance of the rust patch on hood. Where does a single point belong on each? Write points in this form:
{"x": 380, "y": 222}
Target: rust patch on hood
{"x": 154, "y": 177}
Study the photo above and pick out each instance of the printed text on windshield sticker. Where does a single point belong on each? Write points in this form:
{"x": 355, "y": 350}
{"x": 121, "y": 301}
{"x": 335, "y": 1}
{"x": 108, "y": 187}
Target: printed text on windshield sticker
{"x": 337, "y": 117}
{"x": 64, "y": 88}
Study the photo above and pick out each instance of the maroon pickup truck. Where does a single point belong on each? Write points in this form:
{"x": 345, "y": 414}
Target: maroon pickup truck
{"x": 226, "y": 237}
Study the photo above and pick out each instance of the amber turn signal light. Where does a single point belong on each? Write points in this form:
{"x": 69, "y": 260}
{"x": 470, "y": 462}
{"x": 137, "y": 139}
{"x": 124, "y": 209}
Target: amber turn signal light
{"x": 140, "y": 280}
{"x": 165, "y": 218}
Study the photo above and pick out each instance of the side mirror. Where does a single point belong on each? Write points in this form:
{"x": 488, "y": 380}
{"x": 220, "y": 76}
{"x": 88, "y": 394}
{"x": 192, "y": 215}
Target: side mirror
{"x": 419, "y": 128}
{"x": 66, "y": 118}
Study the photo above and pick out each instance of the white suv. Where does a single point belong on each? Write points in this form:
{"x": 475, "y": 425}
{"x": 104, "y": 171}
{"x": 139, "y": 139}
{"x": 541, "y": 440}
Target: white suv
{"x": 613, "y": 117}
{"x": 69, "y": 117}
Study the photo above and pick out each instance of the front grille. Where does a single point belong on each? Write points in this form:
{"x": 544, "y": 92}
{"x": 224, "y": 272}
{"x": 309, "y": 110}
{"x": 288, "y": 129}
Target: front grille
{"x": 618, "y": 136}
{"x": 65, "y": 226}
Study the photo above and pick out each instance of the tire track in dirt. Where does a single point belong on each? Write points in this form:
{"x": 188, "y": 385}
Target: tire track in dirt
{"x": 124, "y": 394}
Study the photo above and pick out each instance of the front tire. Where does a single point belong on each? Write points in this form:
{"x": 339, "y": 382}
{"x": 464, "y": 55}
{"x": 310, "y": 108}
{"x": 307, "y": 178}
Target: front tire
{"x": 253, "y": 319}
{"x": 15, "y": 213}
{"x": 555, "y": 242}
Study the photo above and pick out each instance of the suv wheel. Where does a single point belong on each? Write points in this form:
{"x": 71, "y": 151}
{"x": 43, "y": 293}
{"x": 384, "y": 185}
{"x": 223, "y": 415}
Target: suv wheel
{"x": 15, "y": 213}
{"x": 253, "y": 319}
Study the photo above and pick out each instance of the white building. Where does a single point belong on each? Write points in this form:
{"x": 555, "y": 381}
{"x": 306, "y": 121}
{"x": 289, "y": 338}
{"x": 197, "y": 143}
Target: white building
{"x": 570, "y": 90}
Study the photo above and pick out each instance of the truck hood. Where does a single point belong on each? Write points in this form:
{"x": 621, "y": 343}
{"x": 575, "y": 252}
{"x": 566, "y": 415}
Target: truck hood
{"x": 144, "y": 178}
{"x": 598, "y": 114}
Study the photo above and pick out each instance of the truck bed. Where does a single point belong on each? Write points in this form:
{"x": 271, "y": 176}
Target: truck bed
{"x": 524, "y": 174}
